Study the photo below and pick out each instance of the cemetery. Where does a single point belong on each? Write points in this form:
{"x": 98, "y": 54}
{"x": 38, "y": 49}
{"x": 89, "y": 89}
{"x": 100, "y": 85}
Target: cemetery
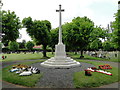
{"x": 69, "y": 56}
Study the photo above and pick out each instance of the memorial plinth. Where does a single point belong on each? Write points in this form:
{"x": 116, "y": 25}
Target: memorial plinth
{"x": 60, "y": 60}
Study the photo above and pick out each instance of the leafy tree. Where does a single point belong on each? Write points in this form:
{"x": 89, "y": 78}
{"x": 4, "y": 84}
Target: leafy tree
{"x": 39, "y": 31}
{"x": 10, "y": 26}
{"x": 22, "y": 44}
{"x": 107, "y": 45}
{"x": 13, "y": 45}
{"x": 29, "y": 45}
{"x": 77, "y": 33}
{"x": 54, "y": 38}
{"x": 95, "y": 36}
{"x": 98, "y": 33}
{"x": 68, "y": 36}
{"x": 95, "y": 44}
{"x": 116, "y": 31}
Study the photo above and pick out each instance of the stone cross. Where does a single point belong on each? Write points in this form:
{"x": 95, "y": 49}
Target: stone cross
{"x": 60, "y": 28}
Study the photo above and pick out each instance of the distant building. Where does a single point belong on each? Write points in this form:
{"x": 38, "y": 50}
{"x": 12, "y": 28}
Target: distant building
{"x": 37, "y": 47}
{"x": 109, "y": 27}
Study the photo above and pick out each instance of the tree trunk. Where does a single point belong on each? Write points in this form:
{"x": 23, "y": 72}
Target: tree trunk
{"x": 75, "y": 52}
{"x": 52, "y": 51}
{"x": 44, "y": 50}
{"x": 81, "y": 54}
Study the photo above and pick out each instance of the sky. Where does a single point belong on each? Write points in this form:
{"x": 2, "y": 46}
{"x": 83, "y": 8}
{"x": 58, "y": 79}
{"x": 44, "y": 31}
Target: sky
{"x": 101, "y": 12}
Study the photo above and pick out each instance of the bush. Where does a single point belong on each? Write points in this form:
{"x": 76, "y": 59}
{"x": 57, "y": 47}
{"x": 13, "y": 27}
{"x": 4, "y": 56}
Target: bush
{"x": 5, "y": 50}
{"x": 29, "y": 45}
{"x": 13, "y": 45}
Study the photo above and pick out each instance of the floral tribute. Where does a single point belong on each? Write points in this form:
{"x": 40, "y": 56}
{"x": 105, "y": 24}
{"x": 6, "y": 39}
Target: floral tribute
{"x": 106, "y": 66}
{"x": 24, "y": 70}
{"x": 100, "y": 70}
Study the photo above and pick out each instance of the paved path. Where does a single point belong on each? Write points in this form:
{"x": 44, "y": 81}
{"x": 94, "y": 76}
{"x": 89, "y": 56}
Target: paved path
{"x": 59, "y": 74}
{"x": 113, "y": 85}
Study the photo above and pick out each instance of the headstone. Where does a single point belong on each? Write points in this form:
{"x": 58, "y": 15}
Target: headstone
{"x": 60, "y": 60}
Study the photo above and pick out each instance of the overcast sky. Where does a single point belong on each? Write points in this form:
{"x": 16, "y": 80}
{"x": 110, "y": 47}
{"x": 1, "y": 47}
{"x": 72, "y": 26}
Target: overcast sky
{"x": 101, "y": 12}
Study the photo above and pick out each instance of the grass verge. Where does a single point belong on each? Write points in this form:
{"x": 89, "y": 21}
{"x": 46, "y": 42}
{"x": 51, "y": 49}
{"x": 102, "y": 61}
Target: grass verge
{"x": 29, "y": 81}
{"x": 27, "y": 56}
{"x": 97, "y": 79}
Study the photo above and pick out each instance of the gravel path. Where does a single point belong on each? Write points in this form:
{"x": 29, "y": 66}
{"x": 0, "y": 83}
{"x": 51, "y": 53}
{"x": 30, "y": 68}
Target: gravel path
{"x": 58, "y": 78}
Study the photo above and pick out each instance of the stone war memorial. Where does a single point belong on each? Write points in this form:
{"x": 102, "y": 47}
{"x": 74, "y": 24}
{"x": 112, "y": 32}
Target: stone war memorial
{"x": 60, "y": 60}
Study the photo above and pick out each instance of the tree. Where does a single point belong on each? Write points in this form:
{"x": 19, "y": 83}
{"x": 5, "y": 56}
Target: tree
{"x": 116, "y": 31}
{"x": 94, "y": 45}
{"x": 95, "y": 36}
{"x": 29, "y": 45}
{"x": 107, "y": 45}
{"x": 54, "y": 38}
{"x": 77, "y": 33}
{"x": 98, "y": 33}
{"x": 68, "y": 36}
{"x": 22, "y": 44}
{"x": 13, "y": 45}
{"x": 39, "y": 31}
{"x": 10, "y": 26}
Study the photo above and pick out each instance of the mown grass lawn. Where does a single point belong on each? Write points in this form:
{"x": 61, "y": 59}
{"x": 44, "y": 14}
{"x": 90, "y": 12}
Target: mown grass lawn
{"x": 27, "y": 56}
{"x": 14, "y": 78}
{"x": 30, "y": 56}
{"x": 97, "y": 79}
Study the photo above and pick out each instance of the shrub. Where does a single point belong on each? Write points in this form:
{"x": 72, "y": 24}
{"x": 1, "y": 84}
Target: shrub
{"x": 13, "y": 45}
{"x": 29, "y": 45}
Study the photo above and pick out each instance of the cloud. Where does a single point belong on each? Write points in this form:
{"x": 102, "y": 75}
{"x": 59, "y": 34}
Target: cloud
{"x": 100, "y": 11}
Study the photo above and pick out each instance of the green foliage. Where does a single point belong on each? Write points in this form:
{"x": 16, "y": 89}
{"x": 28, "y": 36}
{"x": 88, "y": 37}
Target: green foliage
{"x": 13, "y": 45}
{"x": 39, "y": 31}
{"x": 10, "y": 26}
{"x": 116, "y": 31}
{"x": 22, "y": 44}
{"x": 29, "y": 45}
{"x": 77, "y": 33}
{"x": 82, "y": 29}
{"x": 106, "y": 45}
{"x": 54, "y": 38}
{"x": 96, "y": 44}
{"x": 97, "y": 33}
{"x": 95, "y": 36}
{"x": 0, "y": 45}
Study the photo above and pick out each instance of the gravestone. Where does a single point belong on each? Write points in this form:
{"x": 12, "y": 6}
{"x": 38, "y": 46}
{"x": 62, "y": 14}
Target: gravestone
{"x": 60, "y": 60}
